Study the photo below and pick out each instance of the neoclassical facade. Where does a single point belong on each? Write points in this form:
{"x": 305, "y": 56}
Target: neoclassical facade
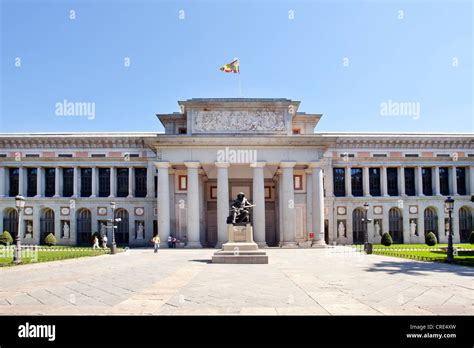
{"x": 309, "y": 188}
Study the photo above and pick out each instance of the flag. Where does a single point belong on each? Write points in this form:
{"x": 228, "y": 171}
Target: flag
{"x": 233, "y": 66}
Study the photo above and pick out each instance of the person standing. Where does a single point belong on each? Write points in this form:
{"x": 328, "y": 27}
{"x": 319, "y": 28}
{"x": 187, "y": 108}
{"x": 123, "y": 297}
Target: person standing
{"x": 104, "y": 241}
{"x": 156, "y": 243}
{"x": 170, "y": 241}
{"x": 173, "y": 242}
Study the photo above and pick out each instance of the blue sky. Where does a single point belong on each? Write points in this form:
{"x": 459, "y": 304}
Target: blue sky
{"x": 409, "y": 59}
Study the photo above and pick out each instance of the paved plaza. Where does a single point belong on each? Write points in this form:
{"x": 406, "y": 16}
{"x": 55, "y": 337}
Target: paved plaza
{"x": 332, "y": 281}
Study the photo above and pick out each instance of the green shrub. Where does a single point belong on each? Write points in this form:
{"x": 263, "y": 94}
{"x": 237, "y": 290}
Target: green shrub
{"x": 471, "y": 237}
{"x": 386, "y": 239}
{"x": 50, "y": 240}
{"x": 430, "y": 239}
{"x": 6, "y": 238}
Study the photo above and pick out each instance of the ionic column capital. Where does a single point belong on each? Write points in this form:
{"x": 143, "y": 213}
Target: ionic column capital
{"x": 287, "y": 164}
{"x": 192, "y": 164}
{"x": 162, "y": 165}
{"x": 259, "y": 164}
{"x": 222, "y": 164}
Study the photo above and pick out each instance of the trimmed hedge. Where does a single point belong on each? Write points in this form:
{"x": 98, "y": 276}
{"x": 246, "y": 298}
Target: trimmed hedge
{"x": 386, "y": 239}
{"x": 50, "y": 240}
{"x": 6, "y": 238}
{"x": 430, "y": 239}
{"x": 471, "y": 238}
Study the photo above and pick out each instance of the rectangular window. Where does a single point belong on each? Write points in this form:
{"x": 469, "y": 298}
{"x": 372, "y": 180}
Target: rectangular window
{"x": 182, "y": 182}
{"x": 67, "y": 155}
{"x": 122, "y": 182}
{"x": 410, "y": 181}
{"x": 411, "y": 155}
{"x": 68, "y": 182}
{"x": 444, "y": 181}
{"x": 296, "y": 131}
{"x": 298, "y": 182}
{"x": 14, "y": 174}
{"x": 135, "y": 155}
{"x": 374, "y": 181}
{"x": 3, "y": 155}
{"x": 442, "y": 155}
{"x": 182, "y": 130}
{"x": 156, "y": 185}
{"x": 427, "y": 181}
{"x": 140, "y": 182}
{"x": 392, "y": 181}
{"x": 104, "y": 182}
{"x": 347, "y": 155}
{"x": 31, "y": 176}
{"x": 379, "y": 155}
{"x": 97, "y": 155}
{"x": 49, "y": 182}
{"x": 30, "y": 155}
{"x": 339, "y": 182}
{"x": 86, "y": 182}
{"x": 461, "y": 180}
{"x": 356, "y": 181}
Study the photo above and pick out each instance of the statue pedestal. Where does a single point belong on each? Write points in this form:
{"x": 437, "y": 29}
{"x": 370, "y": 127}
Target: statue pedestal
{"x": 240, "y": 248}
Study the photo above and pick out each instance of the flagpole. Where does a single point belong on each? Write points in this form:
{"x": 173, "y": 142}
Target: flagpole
{"x": 240, "y": 87}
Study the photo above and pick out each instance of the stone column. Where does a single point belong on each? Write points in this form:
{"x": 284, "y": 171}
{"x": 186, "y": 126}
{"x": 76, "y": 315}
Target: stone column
{"x": 436, "y": 182}
{"x": 163, "y": 201}
{"x": 309, "y": 200}
{"x": 2, "y": 186}
{"x": 258, "y": 218}
{"x": 130, "y": 182}
{"x": 419, "y": 181}
{"x": 21, "y": 181}
{"x": 112, "y": 182}
{"x": 454, "y": 181}
{"x": 150, "y": 180}
{"x": 288, "y": 203}
{"x": 222, "y": 202}
{"x": 471, "y": 180}
{"x": 57, "y": 182}
{"x": 366, "y": 186}
{"x": 328, "y": 181}
{"x": 421, "y": 223}
{"x": 401, "y": 181}
{"x": 95, "y": 180}
{"x": 348, "y": 181}
{"x": 318, "y": 204}
{"x": 39, "y": 182}
{"x": 192, "y": 213}
{"x": 383, "y": 181}
{"x": 76, "y": 183}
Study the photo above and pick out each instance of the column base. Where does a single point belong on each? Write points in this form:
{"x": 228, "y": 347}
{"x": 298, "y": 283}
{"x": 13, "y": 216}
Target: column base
{"x": 262, "y": 244}
{"x": 93, "y": 196}
{"x": 111, "y": 196}
{"x": 37, "y": 196}
{"x": 288, "y": 245}
{"x": 129, "y": 196}
{"x": 56, "y": 196}
{"x": 319, "y": 244}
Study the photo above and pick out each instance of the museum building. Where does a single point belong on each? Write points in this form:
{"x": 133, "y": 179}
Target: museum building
{"x": 309, "y": 188}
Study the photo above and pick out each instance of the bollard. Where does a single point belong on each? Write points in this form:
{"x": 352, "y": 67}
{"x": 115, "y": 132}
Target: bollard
{"x": 369, "y": 248}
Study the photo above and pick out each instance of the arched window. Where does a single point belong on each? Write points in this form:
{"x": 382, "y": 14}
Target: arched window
{"x": 465, "y": 224}
{"x": 121, "y": 232}
{"x": 431, "y": 221}
{"x": 46, "y": 223}
{"x": 84, "y": 227}
{"x": 359, "y": 226}
{"x": 395, "y": 225}
{"x": 10, "y": 221}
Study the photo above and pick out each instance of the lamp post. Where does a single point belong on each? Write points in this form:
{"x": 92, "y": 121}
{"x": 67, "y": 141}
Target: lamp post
{"x": 366, "y": 221}
{"x": 20, "y": 204}
{"x": 449, "y": 204}
{"x": 113, "y": 247}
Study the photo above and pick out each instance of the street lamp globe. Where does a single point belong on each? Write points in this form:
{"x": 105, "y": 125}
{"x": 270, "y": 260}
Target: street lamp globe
{"x": 20, "y": 202}
{"x": 449, "y": 204}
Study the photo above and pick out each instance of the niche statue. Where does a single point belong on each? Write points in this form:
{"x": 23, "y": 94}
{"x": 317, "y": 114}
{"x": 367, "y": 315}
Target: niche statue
{"x": 239, "y": 213}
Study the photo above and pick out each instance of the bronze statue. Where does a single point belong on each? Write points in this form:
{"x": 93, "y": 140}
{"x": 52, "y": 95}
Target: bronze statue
{"x": 239, "y": 210}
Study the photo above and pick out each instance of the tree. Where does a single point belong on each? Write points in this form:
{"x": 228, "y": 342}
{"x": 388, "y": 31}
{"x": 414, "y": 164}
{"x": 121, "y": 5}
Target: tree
{"x": 50, "y": 240}
{"x": 430, "y": 239}
{"x": 386, "y": 239}
{"x": 6, "y": 238}
{"x": 471, "y": 237}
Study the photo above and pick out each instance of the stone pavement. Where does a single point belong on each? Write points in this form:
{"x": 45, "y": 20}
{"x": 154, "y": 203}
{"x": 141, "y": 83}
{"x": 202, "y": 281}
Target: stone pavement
{"x": 332, "y": 281}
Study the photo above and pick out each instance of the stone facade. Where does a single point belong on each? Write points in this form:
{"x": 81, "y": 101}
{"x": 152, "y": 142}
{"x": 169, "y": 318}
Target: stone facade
{"x": 309, "y": 188}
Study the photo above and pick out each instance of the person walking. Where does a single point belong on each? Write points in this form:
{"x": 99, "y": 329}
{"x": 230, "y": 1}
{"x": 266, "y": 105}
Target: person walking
{"x": 156, "y": 243}
{"x": 95, "y": 244}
